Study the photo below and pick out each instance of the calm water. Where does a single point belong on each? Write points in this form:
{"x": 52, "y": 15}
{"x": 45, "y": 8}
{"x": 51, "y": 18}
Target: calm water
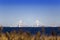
{"x": 34, "y": 30}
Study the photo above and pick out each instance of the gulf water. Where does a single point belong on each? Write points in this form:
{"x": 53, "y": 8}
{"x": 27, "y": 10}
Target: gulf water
{"x": 33, "y": 30}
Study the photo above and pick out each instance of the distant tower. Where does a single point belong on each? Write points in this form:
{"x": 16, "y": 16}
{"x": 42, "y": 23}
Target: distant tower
{"x": 37, "y": 23}
{"x": 20, "y": 23}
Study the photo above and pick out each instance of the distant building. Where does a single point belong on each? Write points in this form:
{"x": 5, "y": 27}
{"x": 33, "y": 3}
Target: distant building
{"x": 20, "y": 24}
{"x": 37, "y": 24}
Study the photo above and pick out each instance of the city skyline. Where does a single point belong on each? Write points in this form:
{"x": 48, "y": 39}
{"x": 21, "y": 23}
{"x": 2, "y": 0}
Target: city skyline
{"x": 46, "y": 11}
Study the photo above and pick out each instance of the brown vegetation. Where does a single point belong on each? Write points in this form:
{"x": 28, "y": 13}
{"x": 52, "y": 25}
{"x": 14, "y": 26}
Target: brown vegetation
{"x": 20, "y": 35}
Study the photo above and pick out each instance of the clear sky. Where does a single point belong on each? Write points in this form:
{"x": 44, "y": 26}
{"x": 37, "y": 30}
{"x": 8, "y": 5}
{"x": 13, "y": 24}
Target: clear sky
{"x": 46, "y": 11}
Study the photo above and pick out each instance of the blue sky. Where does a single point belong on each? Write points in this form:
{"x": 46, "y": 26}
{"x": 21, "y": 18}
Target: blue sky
{"x": 46, "y": 11}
